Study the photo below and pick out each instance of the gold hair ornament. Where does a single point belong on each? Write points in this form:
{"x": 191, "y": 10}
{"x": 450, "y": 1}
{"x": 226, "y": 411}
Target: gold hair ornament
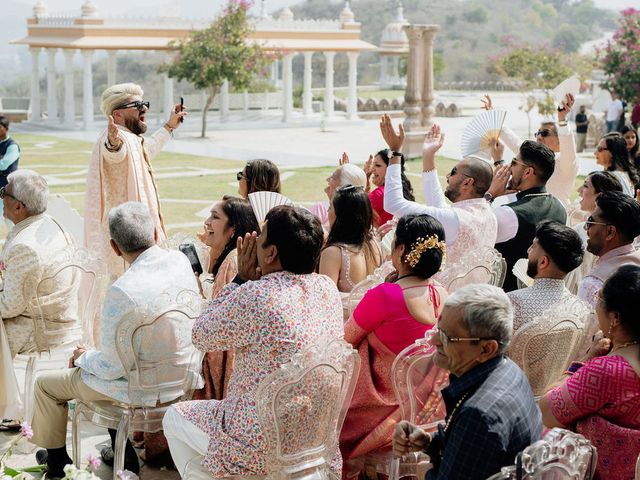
{"x": 421, "y": 245}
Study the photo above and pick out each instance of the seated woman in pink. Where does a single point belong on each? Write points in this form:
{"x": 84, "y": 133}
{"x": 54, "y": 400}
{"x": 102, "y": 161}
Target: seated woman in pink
{"x": 389, "y": 318}
{"x": 601, "y": 399}
{"x": 376, "y": 172}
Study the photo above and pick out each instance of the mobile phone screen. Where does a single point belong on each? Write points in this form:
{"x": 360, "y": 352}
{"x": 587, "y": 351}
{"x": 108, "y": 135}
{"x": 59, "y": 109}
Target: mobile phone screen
{"x": 181, "y": 108}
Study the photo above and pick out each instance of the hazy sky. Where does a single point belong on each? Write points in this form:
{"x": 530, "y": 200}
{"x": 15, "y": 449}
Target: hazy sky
{"x": 204, "y": 8}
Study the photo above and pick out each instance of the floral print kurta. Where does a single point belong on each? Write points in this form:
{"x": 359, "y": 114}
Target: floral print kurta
{"x": 267, "y": 321}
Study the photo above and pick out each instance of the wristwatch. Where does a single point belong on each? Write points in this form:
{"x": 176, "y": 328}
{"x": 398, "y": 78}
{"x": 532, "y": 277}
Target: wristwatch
{"x": 488, "y": 197}
{"x": 397, "y": 154}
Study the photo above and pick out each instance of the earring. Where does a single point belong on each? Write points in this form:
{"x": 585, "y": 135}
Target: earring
{"x": 609, "y": 332}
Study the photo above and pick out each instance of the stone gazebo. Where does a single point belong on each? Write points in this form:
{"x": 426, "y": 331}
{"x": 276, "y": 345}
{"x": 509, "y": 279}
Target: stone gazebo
{"x": 89, "y": 32}
{"x": 393, "y": 45}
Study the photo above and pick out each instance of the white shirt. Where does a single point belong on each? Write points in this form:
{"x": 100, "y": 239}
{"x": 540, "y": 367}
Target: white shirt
{"x": 614, "y": 109}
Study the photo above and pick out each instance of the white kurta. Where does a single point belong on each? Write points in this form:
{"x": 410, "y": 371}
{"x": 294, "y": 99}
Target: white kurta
{"x": 118, "y": 177}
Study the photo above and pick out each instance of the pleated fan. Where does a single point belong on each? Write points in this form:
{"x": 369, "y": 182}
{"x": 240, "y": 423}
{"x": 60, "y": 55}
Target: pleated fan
{"x": 482, "y": 132}
{"x": 570, "y": 85}
{"x": 262, "y": 202}
{"x": 520, "y": 272}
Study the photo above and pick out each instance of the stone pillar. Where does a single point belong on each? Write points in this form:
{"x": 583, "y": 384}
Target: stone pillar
{"x": 384, "y": 68}
{"x": 224, "y": 100}
{"x": 69, "y": 98}
{"x": 395, "y": 70}
{"x": 167, "y": 96}
{"x": 111, "y": 67}
{"x": 413, "y": 93}
{"x": 352, "y": 102}
{"x": 307, "y": 95}
{"x": 87, "y": 88}
{"x": 429, "y": 33}
{"x": 35, "y": 83}
{"x": 287, "y": 87}
{"x": 52, "y": 90}
{"x": 328, "y": 86}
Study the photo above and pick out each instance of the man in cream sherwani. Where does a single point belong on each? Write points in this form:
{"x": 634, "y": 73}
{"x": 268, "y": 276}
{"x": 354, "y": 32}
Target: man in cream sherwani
{"x": 30, "y": 246}
{"x": 120, "y": 168}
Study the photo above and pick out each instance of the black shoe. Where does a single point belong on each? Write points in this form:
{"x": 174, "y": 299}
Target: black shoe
{"x": 42, "y": 456}
{"x": 130, "y": 458}
{"x": 55, "y": 460}
{"x": 107, "y": 456}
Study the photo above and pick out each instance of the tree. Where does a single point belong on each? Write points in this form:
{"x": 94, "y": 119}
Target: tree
{"x": 620, "y": 59}
{"x": 218, "y": 53}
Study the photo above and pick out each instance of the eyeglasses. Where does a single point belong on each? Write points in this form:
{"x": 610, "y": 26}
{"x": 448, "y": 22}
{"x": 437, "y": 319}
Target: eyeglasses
{"x": 446, "y": 339}
{"x": 543, "y": 133}
{"x": 4, "y": 193}
{"x": 601, "y": 149}
{"x": 138, "y": 104}
{"x": 525, "y": 165}
{"x": 240, "y": 176}
{"x": 454, "y": 171}
{"x": 589, "y": 222}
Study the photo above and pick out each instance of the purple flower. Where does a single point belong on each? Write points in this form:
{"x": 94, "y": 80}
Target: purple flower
{"x": 123, "y": 476}
{"x": 94, "y": 462}
{"x": 26, "y": 430}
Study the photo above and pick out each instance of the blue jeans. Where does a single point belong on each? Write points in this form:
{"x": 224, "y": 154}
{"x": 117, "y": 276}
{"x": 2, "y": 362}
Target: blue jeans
{"x": 611, "y": 126}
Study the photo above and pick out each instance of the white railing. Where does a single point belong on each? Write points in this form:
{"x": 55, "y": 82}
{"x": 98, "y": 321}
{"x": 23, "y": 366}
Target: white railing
{"x": 310, "y": 25}
{"x": 57, "y": 20}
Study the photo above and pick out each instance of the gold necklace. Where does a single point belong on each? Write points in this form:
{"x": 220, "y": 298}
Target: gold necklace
{"x": 536, "y": 195}
{"x": 624, "y": 345}
{"x": 455, "y": 409}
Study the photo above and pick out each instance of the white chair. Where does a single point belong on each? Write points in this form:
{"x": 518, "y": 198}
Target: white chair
{"x": 417, "y": 383}
{"x": 638, "y": 468}
{"x": 66, "y": 302}
{"x": 544, "y": 347}
{"x": 483, "y": 265}
{"x": 301, "y": 407}
{"x": 174, "y": 242}
{"x": 351, "y": 300}
{"x": 560, "y": 455}
{"x": 162, "y": 367}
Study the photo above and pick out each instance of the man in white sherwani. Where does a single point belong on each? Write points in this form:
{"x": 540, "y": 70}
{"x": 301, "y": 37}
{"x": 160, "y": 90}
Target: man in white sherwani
{"x": 120, "y": 167}
{"x": 24, "y": 261}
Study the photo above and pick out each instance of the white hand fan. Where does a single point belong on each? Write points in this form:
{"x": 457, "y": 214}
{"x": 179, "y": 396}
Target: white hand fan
{"x": 482, "y": 132}
{"x": 570, "y": 85}
{"x": 520, "y": 272}
{"x": 262, "y": 202}
{"x": 386, "y": 242}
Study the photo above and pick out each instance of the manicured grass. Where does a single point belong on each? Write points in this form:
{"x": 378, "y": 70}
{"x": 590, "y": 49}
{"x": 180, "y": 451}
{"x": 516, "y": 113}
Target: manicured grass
{"x": 184, "y": 198}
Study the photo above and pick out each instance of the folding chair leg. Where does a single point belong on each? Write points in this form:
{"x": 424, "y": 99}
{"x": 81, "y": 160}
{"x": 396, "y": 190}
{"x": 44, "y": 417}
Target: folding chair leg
{"x": 29, "y": 378}
{"x": 121, "y": 443}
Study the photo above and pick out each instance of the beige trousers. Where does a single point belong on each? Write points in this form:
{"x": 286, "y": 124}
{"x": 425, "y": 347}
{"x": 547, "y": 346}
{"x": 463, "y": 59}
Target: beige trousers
{"x": 52, "y": 392}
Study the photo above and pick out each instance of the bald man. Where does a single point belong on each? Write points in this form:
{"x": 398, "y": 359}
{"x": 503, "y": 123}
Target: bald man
{"x": 469, "y": 222}
{"x": 120, "y": 168}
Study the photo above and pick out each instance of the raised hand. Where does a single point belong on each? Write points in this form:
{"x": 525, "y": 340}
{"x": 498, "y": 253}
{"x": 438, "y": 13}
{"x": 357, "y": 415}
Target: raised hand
{"x": 344, "y": 159}
{"x": 497, "y": 151}
{"x": 565, "y": 107}
{"x": 368, "y": 166}
{"x": 487, "y": 103}
{"x": 248, "y": 268}
{"x": 177, "y": 113}
{"x": 500, "y": 180}
{"x": 113, "y": 134}
{"x": 394, "y": 140}
{"x": 408, "y": 438}
{"x": 433, "y": 141}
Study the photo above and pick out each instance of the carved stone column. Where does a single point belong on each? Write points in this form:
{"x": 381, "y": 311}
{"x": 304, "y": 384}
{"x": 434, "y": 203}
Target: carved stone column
{"x": 428, "y": 34}
{"x": 52, "y": 87}
{"x": 35, "y": 83}
{"x": 69, "y": 98}
{"x": 413, "y": 92}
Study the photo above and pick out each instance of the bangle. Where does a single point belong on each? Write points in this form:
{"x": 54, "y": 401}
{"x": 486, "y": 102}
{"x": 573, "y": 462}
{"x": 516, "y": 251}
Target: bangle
{"x": 563, "y": 123}
{"x": 397, "y": 154}
{"x": 168, "y": 127}
{"x": 574, "y": 367}
{"x": 111, "y": 148}
{"x": 430, "y": 170}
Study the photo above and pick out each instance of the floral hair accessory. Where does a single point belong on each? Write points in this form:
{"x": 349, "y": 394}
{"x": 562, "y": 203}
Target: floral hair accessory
{"x": 421, "y": 245}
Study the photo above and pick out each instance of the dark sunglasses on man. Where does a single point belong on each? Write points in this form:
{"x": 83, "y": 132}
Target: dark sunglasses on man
{"x": 138, "y": 104}
{"x": 543, "y": 133}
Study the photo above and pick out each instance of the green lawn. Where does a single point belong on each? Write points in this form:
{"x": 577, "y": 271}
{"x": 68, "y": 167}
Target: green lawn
{"x": 183, "y": 198}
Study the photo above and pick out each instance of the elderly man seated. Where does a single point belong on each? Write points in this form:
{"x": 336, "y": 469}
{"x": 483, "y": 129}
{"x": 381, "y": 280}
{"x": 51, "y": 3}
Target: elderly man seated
{"x": 24, "y": 261}
{"x": 491, "y": 413}
{"x": 98, "y": 374}
{"x": 556, "y": 250}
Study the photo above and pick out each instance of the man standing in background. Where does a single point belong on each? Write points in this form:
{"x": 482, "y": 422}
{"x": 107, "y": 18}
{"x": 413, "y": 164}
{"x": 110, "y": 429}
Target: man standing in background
{"x": 582, "y": 125}
{"x": 9, "y": 154}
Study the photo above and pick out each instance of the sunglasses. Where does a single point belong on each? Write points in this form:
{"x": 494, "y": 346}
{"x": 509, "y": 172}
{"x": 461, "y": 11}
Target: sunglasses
{"x": 590, "y": 221}
{"x": 138, "y": 104}
{"x": 543, "y": 133}
{"x": 4, "y": 193}
{"x": 348, "y": 188}
{"x": 454, "y": 172}
{"x": 240, "y": 176}
{"x": 601, "y": 149}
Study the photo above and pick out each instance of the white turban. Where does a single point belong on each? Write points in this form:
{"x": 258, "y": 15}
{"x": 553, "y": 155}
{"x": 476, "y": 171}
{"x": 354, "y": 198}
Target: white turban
{"x": 117, "y": 95}
{"x": 353, "y": 175}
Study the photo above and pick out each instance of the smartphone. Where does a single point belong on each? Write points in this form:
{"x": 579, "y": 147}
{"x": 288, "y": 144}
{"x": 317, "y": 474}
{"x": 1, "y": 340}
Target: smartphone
{"x": 189, "y": 251}
{"x": 181, "y": 108}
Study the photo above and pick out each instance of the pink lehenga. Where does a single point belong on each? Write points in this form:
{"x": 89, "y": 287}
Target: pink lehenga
{"x": 380, "y": 328}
